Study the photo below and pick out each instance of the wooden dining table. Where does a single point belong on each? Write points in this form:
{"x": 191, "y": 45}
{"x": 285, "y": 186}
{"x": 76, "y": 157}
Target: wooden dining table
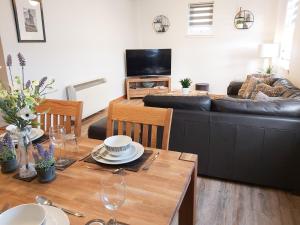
{"x": 153, "y": 197}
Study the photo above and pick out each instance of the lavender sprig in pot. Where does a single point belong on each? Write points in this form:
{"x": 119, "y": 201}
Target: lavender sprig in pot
{"x": 8, "y": 158}
{"x": 45, "y": 163}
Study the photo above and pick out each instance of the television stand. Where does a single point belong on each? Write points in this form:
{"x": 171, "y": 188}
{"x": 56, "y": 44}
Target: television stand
{"x": 139, "y": 87}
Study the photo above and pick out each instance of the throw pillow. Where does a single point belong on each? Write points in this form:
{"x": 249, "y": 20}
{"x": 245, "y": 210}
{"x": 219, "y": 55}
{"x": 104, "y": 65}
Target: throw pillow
{"x": 253, "y": 82}
{"x": 263, "y": 97}
{"x": 268, "y": 90}
{"x": 262, "y": 78}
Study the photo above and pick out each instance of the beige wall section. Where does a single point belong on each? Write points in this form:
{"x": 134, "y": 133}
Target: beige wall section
{"x": 229, "y": 55}
{"x": 294, "y": 74}
{"x": 3, "y": 74}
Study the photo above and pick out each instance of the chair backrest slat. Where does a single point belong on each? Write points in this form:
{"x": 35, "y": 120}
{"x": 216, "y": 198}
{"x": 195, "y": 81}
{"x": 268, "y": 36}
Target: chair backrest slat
{"x": 137, "y": 132}
{"x": 120, "y": 128}
{"x": 153, "y": 136}
{"x": 145, "y": 135}
{"x": 42, "y": 121}
{"x": 60, "y": 112}
{"x": 140, "y": 119}
{"x": 128, "y": 128}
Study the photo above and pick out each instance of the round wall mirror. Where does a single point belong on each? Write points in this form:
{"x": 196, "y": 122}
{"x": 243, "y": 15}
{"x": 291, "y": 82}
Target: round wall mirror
{"x": 161, "y": 24}
{"x": 244, "y": 19}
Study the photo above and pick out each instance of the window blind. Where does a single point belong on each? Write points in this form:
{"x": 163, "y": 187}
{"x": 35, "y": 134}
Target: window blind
{"x": 201, "y": 14}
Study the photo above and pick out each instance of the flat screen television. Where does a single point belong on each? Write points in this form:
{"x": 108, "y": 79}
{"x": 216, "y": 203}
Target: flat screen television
{"x": 148, "y": 62}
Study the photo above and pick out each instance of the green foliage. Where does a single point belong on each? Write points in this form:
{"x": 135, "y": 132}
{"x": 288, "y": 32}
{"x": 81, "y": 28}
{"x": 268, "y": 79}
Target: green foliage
{"x": 45, "y": 164}
{"x": 7, "y": 154}
{"x": 269, "y": 70}
{"x": 17, "y": 98}
{"x": 186, "y": 83}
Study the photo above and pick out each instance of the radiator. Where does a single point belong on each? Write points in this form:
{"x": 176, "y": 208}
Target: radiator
{"x": 92, "y": 93}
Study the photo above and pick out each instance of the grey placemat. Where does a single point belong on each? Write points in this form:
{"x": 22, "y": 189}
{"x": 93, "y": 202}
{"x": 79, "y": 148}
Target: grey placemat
{"x": 134, "y": 166}
{"x": 28, "y": 179}
{"x": 70, "y": 162}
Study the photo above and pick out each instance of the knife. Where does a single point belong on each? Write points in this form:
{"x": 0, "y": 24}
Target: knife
{"x": 147, "y": 166}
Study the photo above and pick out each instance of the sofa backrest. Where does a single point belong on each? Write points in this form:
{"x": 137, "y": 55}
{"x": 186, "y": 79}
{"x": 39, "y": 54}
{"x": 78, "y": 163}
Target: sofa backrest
{"x": 200, "y": 103}
{"x": 285, "y": 108}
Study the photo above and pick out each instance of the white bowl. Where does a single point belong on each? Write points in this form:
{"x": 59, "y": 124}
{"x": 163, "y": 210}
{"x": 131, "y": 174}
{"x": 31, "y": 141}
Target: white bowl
{"x": 117, "y": 145}
{"x": 29, "y": 214}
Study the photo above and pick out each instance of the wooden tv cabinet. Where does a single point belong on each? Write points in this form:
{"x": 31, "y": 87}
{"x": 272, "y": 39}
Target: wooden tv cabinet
{"x": 136, "y": 89}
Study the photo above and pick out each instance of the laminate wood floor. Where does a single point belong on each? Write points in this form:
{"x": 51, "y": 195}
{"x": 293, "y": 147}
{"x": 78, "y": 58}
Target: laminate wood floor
{"x": 227, "y": 203}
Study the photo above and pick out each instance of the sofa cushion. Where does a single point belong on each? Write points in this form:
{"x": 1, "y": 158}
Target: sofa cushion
{"x": 268, "y": 90}
{"x": 201, "y": 103}
{"x": 261, "y": 77}
{"x": 260, "y": 96}
{"x": 288, "y": 107}
{"x": 253, "y": 82}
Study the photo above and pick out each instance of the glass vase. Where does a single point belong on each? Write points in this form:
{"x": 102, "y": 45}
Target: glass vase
{"x": 25, "y": 149}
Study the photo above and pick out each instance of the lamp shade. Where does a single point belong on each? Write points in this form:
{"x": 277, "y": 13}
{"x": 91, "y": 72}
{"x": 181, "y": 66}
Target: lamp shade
{"x": 269, "y": 50}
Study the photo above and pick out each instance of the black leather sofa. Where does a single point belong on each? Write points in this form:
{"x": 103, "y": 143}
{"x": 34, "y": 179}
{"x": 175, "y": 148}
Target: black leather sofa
{"x": 240, "y": 140}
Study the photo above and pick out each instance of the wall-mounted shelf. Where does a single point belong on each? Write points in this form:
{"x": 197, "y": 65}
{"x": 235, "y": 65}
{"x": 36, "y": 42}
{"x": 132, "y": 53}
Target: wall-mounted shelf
{"x": 244, "y": 19}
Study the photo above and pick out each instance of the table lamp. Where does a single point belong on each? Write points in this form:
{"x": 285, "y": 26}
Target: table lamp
{"x": 268, "y": 51}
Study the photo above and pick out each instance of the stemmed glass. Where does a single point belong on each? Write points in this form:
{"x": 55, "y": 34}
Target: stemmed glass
{"x": 113, "y": 194}
{"x": 57, "y": 138}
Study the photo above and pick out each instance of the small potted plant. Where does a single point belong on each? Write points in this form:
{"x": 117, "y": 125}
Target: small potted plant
{"x": 186, "y": 84}
{"x": 44, "y": 163}
{"x": 8, "y": 158}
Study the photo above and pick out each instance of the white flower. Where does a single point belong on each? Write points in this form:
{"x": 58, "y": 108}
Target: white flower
{"x": 12, "y": 128}
{"x": 26, "y": 114}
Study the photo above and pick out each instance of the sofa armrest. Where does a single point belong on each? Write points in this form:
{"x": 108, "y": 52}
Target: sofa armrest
{"x": 234, "y": 87}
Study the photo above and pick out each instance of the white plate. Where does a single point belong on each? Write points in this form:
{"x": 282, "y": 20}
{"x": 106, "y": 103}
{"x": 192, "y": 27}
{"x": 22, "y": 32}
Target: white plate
{"x": 140, "y": 151}
{"x": 35, "y": 134}
{"x": 28, "y": 214}
{"x": 104, "y": 153}
{"x": 55, "y": 216}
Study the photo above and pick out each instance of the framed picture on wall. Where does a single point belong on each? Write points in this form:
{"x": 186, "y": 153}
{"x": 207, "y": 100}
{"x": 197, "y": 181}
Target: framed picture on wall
{"x": 29, "y": 20}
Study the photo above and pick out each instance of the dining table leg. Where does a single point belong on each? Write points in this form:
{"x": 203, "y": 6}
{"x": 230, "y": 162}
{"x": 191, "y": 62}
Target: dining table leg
{"x": 187, "y": 210}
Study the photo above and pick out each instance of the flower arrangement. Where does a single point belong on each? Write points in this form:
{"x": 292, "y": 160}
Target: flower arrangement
{"x": 8, "y": 157}
{"x": 44, "y": 159}
{"x": 7, "y": 149}
{"x": 186, "y": 83}
{"x": 18, "y": 104}
{"x": 44, "y": 163}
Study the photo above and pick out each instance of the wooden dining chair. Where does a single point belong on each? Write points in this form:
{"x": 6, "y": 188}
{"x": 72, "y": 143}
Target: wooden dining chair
{"x": 60, "y": 112}
{"x": 140, "y": 122}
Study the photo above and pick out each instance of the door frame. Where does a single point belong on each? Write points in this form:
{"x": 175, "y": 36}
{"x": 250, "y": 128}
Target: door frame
{"x": 3, "y": 71}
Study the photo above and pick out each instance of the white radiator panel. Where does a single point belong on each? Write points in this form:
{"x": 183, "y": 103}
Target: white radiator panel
{"x": 93, "y": 94}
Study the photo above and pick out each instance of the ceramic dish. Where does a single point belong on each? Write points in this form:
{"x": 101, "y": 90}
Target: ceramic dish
{"x": 29, "y": 214}
{"x": 139, "y": 148}
{"x": 105, "y": 154}
{"x": 55, "y": 216}
{"x": 118, "y": 144}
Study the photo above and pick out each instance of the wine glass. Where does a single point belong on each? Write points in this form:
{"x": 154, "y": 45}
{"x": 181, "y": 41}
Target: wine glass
{"x": 57, "y": 138}
{"x": 113, "y": 194}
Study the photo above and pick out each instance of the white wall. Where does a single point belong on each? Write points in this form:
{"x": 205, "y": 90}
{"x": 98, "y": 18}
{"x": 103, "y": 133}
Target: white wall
{"x": 85, "y": 40}
{"x": 294, "y": 74}
{"x": 229, "y": 55}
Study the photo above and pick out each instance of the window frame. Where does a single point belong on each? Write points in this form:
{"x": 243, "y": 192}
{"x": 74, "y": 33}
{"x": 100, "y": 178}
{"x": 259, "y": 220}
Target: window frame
{"x": 204, "y": 33}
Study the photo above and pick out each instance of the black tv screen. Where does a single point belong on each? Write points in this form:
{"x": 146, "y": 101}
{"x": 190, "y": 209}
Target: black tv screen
{"x": 147, "y": 62}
